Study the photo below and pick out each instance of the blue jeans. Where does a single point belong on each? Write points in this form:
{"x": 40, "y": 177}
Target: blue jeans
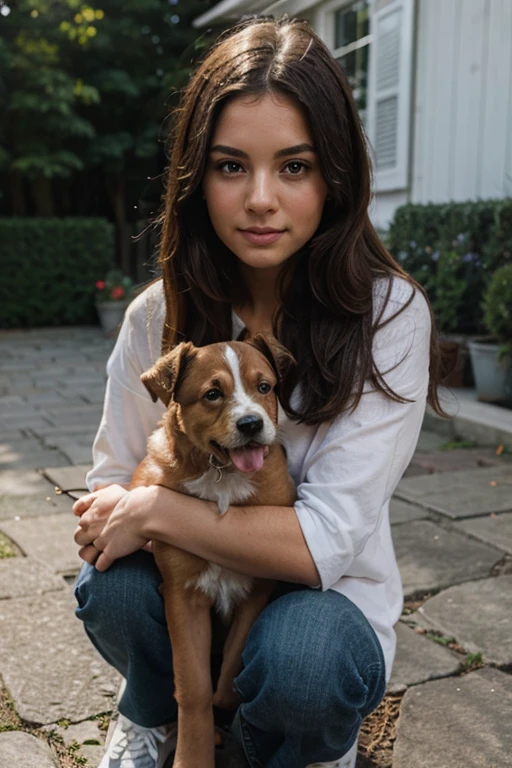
{"x": 313, "y": 666}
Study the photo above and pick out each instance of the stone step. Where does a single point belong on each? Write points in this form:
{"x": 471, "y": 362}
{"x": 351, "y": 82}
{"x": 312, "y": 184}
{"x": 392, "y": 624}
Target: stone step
{"x": 431, "y": 558}
{"x": 458, "y": 722}
{"x": 478, "y": 614}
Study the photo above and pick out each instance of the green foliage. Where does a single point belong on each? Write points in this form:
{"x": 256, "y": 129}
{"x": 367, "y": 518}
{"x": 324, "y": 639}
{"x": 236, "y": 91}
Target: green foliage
{"x": 449, "y": 288}
{"x": 49, "y": 268}
{"x": 454, "y": 445}
{"x": 497, "y": 307}
{"x": 85, "y": 87}
{"x": 480, "y": 233}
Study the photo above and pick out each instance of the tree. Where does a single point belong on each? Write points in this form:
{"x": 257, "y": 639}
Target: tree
{"x": 84, "y": 94}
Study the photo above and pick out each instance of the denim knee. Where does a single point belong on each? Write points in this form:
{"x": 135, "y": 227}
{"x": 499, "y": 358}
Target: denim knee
{"x": 121, "y": 599}
{"x": 312, "y": 661}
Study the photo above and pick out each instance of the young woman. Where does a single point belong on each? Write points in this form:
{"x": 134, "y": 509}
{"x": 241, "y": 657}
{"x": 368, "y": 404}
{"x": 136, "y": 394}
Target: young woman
{"x": 266, "y": 228}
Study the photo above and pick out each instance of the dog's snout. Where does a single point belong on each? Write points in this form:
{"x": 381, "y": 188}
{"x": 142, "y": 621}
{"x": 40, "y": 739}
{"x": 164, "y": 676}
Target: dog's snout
{"x": 249, "y": 425}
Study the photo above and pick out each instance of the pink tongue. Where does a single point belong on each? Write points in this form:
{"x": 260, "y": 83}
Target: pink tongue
{"x": 248, "y": 459}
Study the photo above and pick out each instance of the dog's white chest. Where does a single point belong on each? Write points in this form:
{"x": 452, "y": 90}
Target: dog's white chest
{"x": 233, "y": 488}
{"x": 224, "y": 588}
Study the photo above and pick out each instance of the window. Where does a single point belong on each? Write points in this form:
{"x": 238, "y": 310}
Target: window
{"x": 352, "y": 40}
{"x": 373, "y": 42}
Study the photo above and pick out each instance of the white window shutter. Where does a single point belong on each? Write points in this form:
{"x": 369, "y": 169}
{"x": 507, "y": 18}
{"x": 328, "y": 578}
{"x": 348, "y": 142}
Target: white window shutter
{"x": 389, "y": 97}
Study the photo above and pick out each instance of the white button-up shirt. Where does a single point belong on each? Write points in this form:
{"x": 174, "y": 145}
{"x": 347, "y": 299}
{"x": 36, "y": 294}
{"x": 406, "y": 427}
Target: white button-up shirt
{"x": 345, "y": 470}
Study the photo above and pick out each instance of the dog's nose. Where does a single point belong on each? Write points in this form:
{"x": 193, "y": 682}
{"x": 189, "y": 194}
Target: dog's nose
{"x": 249, "y": 425}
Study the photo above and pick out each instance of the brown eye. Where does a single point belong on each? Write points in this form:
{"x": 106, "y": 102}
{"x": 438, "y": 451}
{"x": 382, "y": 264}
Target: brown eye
{"x": 213, "y": 394}
{"x": 264, "y": 388}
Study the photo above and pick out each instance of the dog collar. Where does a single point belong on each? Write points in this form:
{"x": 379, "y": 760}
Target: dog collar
{"x": 215, "y": 463}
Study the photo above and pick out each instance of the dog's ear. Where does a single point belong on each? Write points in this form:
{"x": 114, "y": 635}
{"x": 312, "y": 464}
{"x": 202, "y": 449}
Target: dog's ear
{"x": 276, "y": 353}
{"x": 162, "y": 378}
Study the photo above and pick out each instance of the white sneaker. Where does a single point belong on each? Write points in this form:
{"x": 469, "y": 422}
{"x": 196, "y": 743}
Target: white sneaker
{"x": 347, "y": 761}
{"x": 133, "y": 746}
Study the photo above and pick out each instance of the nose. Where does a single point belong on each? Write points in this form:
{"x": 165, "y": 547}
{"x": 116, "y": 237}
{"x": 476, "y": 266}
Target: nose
{"x": 249, "y": 425}
{"x": 261, "y": 194}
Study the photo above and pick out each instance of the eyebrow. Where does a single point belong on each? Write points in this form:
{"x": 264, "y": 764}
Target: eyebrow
{"x": 286, "y": 152}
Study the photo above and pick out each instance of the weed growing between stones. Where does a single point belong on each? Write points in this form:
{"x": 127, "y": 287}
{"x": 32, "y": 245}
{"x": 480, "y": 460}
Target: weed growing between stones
{"x": 10, "y": 721}
{"x": 6, "y": 547}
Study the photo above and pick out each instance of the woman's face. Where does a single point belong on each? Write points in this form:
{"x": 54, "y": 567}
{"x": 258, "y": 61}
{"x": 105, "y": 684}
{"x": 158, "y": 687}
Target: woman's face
{"x": 263, "y": 186}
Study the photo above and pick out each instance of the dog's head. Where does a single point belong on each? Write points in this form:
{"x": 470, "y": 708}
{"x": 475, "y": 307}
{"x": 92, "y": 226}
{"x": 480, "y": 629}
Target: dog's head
{"x": 223, "y": 396}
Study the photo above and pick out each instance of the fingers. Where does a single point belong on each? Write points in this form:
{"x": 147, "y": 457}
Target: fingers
{"x": 103, "y": 562}
{"x": 82, "y": 504}
{"x": 89, "y": 553}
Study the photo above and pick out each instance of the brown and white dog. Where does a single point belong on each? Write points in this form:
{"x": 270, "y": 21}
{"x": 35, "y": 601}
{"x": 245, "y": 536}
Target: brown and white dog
{"x": 218, "y": 440}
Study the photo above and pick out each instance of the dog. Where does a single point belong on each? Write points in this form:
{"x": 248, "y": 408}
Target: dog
{"x": 218, "y": 440}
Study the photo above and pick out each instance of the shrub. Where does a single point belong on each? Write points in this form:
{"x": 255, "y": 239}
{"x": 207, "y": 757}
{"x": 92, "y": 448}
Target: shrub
{"x": 497, "y": 308}
{"x": 480, "y": 232}
{"x": 49, "y": 268}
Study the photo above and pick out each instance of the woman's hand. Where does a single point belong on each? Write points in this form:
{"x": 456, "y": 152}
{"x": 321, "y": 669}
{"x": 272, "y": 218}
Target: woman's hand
{"x": 123, "y": 533}
{"x": 94, "y": 510}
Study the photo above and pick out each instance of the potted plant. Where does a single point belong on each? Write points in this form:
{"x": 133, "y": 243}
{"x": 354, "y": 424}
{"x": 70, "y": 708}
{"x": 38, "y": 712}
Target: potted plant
{"x": 112, "y": 299}
{"x": 491, "y": 357}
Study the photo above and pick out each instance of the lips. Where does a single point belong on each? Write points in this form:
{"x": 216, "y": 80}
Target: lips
{"x": 262, "y": 235}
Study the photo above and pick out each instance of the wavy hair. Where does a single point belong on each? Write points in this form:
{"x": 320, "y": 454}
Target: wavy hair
{"x": 326, "y": 315}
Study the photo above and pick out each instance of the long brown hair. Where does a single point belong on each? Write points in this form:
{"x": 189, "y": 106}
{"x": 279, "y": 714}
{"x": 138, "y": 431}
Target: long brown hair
{"x": 326, "y": 291}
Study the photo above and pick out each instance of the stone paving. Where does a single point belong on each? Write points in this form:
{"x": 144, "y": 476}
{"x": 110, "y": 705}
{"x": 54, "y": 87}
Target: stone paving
{"x": 452, "y": 528}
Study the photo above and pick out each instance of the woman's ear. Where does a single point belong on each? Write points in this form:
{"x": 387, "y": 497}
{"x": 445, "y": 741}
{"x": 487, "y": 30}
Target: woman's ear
{"x": 162, "y": 378}
{"x": 276, "y": 353}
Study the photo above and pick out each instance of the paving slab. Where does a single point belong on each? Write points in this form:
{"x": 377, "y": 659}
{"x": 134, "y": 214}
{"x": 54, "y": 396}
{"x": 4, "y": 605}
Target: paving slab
{"x": 458, "y": 722}
{"x": 431, "y": 558}
{"x": 419, "y": 659}
{"x": 23, "y": 576}
{"x": 478, "y": 614}
{"x": 25, "y": 751}
{"x": 456, "y": 460}
{"x": 49, "y": 539}
{"x": 403, "y": 512}
{"x": 26, "y": 457}
{"x": 75, "y": 451}
{"x": 493, "y": 529}
{"x": 48, "y": 663}
{"x": 12, "y": 507}
{"x": 461, "y": 494}
{"x": 21, "y": 482}
{"x": 69, "y": 477}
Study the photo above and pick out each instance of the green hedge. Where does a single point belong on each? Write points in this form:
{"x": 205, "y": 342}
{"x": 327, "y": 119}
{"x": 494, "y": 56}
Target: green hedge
{"x": 478, "y": 233}
{"x": 48, "y": 269}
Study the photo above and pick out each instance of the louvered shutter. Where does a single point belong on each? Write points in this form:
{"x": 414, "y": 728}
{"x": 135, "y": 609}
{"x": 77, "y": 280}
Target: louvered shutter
{"x": 389, "y": 102}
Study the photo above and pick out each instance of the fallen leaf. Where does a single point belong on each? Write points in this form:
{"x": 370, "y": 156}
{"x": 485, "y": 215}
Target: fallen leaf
{"x": 499, "y": 450}
{"x": 493, "y": 483}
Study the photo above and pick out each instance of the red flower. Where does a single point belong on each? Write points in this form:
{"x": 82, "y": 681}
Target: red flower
{"x": 100, "y": 284}
{"x": 117, "y": 292}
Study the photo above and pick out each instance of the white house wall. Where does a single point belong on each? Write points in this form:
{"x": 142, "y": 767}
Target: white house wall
{"x": 463, "y": 101}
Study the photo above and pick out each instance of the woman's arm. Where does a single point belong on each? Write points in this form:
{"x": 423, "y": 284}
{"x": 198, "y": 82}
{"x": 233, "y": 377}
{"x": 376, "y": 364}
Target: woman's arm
{"x": 264, "y": 542}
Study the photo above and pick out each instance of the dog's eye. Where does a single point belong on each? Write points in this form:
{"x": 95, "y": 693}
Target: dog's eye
{"x": 264, "y": 388}
{"x": 213, "y": 394}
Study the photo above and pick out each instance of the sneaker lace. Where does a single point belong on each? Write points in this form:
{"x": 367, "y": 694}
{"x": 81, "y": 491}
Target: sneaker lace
{"x": 136, "y": 746}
